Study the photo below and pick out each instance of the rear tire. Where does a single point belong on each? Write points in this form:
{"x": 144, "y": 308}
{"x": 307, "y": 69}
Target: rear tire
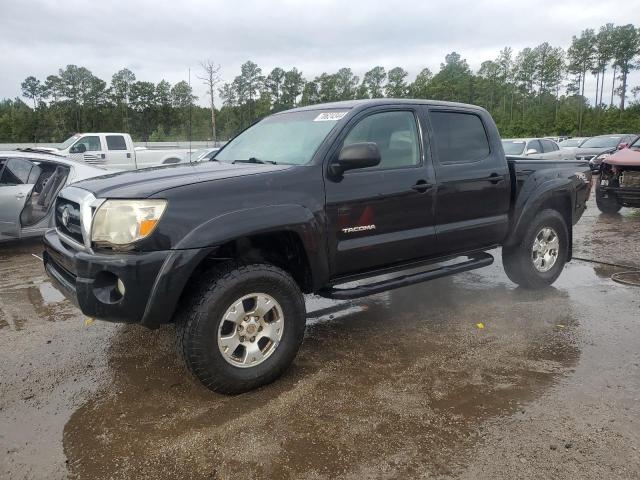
{"x": 224, "y": 309}
{"x": 608, "y": 205}
{"x": 526, "y": 265}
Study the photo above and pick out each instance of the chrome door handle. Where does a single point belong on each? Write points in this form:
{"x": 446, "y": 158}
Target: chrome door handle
{"x": 422, "y": 186}
{"x": 495, "y": 178}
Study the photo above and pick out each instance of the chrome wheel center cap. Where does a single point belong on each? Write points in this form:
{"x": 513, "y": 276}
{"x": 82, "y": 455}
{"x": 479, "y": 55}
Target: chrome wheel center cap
{"x": 544, "y": 252}
{"x": 252, "y": 329}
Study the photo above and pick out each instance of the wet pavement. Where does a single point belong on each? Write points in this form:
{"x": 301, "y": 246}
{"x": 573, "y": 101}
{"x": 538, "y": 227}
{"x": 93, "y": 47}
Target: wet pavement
{"x": 462, "y": 377}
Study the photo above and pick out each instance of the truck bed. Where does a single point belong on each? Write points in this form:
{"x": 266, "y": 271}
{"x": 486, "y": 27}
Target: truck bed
{"x": 529, "y": 175}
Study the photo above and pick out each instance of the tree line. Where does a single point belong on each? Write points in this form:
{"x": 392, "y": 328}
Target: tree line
{"x": 537, "y": 91}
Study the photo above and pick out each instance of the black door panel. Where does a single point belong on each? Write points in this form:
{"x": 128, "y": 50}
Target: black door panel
{"x": 474, "y": 189}
{"x": 382, "y": 215}
{"x": 378, "y": 219}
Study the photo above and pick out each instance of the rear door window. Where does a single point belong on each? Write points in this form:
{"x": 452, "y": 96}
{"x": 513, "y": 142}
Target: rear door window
{"x": 16, "y": 172}
{"x": 116, "y": 142}
{"x": 548, "y": 146}
{"x": 460, "y": 137}
{"x": 534, "y": 145}
{"x": 34, "y": 174}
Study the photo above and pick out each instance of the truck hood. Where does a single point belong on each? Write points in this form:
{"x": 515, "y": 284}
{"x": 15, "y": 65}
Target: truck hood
{"x": 625, "y": 157}
{"x": 148, "y": 181}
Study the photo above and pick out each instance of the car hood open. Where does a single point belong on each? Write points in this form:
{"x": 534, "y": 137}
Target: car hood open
{"x": 625, "y": 157}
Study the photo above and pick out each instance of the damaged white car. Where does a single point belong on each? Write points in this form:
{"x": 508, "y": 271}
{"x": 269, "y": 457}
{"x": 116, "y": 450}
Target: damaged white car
{"x": 29, "y": 183}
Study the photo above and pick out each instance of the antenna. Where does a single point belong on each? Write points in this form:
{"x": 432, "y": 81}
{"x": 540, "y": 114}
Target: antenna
{"x": 190, "y": 102}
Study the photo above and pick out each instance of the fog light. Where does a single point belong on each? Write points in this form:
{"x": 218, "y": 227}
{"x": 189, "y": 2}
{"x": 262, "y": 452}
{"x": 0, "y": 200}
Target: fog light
{"x": 120, "y": 287}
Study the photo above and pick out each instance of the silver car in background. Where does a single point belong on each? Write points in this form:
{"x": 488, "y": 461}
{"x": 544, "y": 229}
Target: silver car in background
{"x": 596, "y": 149}
{"x": 29, "y": 183}
{"x": 540, "y": 148}
{"x": 202, "y": 155}
{"x": 573, "y": 142}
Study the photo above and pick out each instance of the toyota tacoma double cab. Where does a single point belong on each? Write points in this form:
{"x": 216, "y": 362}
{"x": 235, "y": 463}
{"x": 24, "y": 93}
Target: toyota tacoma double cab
{"x": 341, "y": 200}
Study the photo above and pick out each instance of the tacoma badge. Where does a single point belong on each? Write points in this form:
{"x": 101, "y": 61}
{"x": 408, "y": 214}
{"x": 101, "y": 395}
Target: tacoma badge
{"x": 361, "y": 228}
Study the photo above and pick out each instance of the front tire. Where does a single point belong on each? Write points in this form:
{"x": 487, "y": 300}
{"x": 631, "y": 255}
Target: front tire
{"x": 609, "y": 204}
{"x": 537, "y": 261}
{"x": 242, "y": 326}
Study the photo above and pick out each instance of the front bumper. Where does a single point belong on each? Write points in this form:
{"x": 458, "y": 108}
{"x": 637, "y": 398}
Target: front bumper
{"x": 153, "y": 281}
{"x": 627, "y": 196}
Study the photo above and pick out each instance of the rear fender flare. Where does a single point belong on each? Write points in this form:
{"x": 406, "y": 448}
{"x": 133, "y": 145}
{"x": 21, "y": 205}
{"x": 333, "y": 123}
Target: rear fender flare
{"x": 531, "y": 202}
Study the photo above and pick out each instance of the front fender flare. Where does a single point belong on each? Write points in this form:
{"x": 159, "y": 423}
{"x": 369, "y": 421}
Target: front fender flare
{"x": 266, "y": 219}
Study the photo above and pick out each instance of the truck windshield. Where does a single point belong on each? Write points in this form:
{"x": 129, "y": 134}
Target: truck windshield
{"x": 67, "y": 143}
{"x": 513, "y": 147}
{"x": 286, "y": 138}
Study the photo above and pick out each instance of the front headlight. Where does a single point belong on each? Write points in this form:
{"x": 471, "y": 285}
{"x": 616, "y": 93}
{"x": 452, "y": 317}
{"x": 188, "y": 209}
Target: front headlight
{"x": 121, "y": 222}
{"x": 602, "y": 156}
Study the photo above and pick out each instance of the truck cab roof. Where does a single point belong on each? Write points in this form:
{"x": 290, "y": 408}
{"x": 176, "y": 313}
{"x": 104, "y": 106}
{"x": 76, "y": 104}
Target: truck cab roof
{"x": 374, "y": 102}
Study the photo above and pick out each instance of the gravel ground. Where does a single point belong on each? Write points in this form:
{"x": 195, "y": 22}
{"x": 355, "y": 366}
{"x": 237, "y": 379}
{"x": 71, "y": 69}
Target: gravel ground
{"x": 462, "y": 377}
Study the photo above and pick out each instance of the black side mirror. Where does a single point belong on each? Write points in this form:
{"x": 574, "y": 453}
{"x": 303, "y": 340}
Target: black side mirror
{"x": 80, "y": 148}
{"x": 356, "y": 155}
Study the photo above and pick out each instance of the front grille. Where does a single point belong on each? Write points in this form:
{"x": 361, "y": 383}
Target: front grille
{"x": 68, "y": 219}
{"x": 630, "y": 179}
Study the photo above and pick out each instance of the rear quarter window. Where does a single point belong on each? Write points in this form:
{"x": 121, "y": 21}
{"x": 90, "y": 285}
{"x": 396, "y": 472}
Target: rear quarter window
{"x": 535, "y": 145}
{"x": 548, "y": 146}
{"x": 460, "y": 137}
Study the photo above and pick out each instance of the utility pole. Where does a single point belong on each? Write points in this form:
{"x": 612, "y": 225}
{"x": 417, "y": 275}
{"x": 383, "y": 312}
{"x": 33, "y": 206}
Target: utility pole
{"x": 190, "y": 103}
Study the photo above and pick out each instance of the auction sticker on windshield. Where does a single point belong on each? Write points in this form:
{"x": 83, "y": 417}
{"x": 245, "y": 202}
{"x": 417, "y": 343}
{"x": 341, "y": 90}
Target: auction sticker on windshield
{"x": 329, "y": 116}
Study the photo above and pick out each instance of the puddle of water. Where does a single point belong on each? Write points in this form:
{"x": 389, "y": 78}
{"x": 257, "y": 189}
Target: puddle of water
{"x": 26, "y": 295}
{"x": 50, "y": 294}
{"x": 33, "y": 304}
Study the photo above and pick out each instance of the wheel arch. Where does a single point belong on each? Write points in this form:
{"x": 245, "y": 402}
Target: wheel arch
{"x": 555, "y": 196}
{"x": 265, "y": 233}
{"x": 287, "y": 236}
{"x": 283, "y": 249}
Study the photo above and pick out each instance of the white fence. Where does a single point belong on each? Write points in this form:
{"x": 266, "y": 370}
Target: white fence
{"x": 150, "y": 145}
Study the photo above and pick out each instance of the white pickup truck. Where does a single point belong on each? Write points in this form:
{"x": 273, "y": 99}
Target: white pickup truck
{"x": 116, "y": 151}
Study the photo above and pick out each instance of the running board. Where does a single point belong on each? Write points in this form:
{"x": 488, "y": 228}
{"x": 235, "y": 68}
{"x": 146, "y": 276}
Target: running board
{"x": 476, "y": 261}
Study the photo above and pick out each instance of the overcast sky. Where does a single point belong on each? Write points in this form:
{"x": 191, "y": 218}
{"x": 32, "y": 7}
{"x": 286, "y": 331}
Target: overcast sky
{"x": 163, "y": 39}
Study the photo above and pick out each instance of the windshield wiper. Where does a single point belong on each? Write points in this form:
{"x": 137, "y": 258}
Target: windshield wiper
{"x": 254, "y": 160}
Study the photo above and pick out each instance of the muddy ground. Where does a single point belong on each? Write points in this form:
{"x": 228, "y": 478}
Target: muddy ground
{"x": 404, "y": 384}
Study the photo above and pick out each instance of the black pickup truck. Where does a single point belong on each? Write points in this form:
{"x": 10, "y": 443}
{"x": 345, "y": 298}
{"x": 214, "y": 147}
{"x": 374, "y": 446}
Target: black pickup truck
{"x": 306, "y": 201}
